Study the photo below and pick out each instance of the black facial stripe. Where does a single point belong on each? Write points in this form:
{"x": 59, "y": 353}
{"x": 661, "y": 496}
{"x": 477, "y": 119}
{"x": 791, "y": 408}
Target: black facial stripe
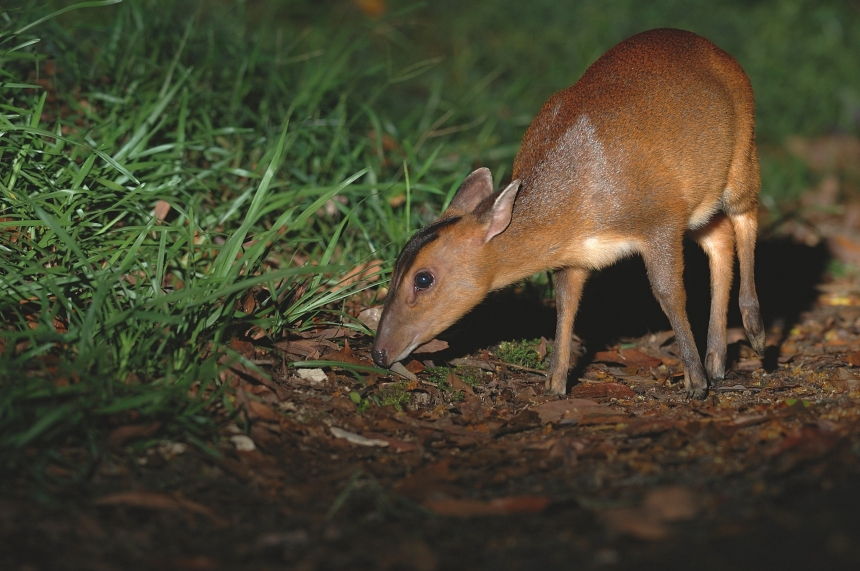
{"x": 413, "y": 246}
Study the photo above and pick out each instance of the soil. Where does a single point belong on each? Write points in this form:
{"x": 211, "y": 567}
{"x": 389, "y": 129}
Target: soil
{"x": 476, "y": 468}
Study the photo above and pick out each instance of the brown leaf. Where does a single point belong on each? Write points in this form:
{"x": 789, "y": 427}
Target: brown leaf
{"x": 525, "y": 420}
{"x": 629, "y": 357}
{"x": 371, "y": 316}
{"x": 399, "y": 369}
{"x": 249, "y": 302}
{"x": 598, "y": 390}
{"x": 306, "y": 349}
{"x": 671, "y": 503}
{"x": 853, "y": 358}
{"x": 244, "y": 348}
{"x": 335, "y": 333}
{"x": 123, "y": 434}
{"x": 457, "y": 384}
{"x": 260, "y": 411}
{"x": 161, "y": 210}
{"x": 415, "y": 366}
{"x": 432, "y": 346}
{"x": 366, "y": 272}
{"x": 356, "y": 439}
{"x": 374, "y": 9}
{"x": 613, "y": 357}
{"x": 243, "y": 372}
{"x": 399, "y": 445}
{"x": 466, "y": 507}
{"x": 345, "y": 355}
{"x": 565, "y": 409}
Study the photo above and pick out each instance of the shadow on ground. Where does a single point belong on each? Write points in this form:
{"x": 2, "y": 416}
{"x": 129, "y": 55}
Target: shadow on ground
{"x": 618, "y": 303}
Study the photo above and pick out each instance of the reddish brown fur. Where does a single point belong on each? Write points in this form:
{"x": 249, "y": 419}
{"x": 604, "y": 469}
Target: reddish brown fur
{"x": 655, "y": 139}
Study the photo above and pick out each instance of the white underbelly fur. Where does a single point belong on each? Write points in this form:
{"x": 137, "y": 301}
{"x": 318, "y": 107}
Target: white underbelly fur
{"x": 600, "y": 251}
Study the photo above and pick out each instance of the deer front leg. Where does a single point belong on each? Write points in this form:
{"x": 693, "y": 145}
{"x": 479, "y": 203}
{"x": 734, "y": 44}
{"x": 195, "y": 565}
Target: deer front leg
{"x": 665, "y": 263}
{"x": 568, "y": 291}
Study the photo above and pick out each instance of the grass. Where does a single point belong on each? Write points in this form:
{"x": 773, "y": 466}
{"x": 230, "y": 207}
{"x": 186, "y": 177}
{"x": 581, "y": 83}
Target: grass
{"x": 523, "y": 353}
{"x": 175, "y": 175}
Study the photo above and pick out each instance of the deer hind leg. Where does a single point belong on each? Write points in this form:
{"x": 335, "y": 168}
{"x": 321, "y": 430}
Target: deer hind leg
{"x": 717, "y": 240}
{"x": 745, "y": 226}
{"x": 740, "y": 201}
{"x": 665, "y": 264}
{"x": 568, "y": 291}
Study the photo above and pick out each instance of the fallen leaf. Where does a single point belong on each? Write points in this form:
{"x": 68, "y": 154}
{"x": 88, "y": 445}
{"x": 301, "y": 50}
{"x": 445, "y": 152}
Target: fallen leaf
{"x": 261, "y": 411}
{"x": 482, "y": 364}
{"x": 598, "y": 390}
{"x": 432, "y": 346}
{"x": 497, "y": 506}
{"x": 371, "y": 316}
{"x": 564, "y": 409}
{"x": 365, "y": 272}
{"x": 306, "y": 349}
{"x": 744, "y": 420}
{"x": 372, "y": 8}
{"x": 525, "y": 420}
{"x": 344, "y": 355}
{"x": 357, "y": 439}
{"x": 123, "y": 434}
{"x": 399, "y": 445}
{"x": 248, "y": 302}
{"x": 244, "y": 348}
{"x": 628, "y": 357}
{"x": 161, "y": 210}
{"x": 415, "y": 366}
{"x": 312, "y": 375}
{"x": 243, "y": 442}
{"x": 334, "y": 333}
{"x": 457, "y": 384}
{"x": 401, "y": 370}
{"x": 671, "y": 503}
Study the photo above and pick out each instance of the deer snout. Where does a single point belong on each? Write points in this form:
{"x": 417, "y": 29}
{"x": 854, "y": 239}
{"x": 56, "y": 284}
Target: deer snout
{"x": 380, "y": 357}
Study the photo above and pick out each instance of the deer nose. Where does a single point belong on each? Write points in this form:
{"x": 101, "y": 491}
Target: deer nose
{"x": 379, "y": 357}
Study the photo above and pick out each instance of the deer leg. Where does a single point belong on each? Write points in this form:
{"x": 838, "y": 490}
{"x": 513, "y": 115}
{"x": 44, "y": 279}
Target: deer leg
{"x": 568, "y": 291}
{"x": 717, "y": 240}
{"x": 665, "y": 264}
{"x": 745, "y": 226}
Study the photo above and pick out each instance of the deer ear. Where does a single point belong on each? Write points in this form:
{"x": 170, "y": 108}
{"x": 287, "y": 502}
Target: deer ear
{"x": 476, "y": 187}
{"x": 499, "y": 216}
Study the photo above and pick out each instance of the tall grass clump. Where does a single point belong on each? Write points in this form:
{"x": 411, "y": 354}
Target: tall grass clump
{"x": 172, "y": 179}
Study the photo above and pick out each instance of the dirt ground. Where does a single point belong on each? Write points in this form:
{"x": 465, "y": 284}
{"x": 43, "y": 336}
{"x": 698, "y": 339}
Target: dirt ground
{"x": 475, "y": 468}
{"x": 622, "y": 473}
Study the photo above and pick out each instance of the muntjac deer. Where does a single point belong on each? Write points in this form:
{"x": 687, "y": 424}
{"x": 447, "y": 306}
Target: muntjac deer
{"x": 656, "y": 139}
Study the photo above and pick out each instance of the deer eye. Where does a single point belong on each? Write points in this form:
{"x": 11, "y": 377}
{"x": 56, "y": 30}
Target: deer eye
{"x": 423, "y": 280}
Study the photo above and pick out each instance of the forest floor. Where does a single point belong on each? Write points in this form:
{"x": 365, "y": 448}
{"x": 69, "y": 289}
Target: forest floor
{"x": 473, "y": 466}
